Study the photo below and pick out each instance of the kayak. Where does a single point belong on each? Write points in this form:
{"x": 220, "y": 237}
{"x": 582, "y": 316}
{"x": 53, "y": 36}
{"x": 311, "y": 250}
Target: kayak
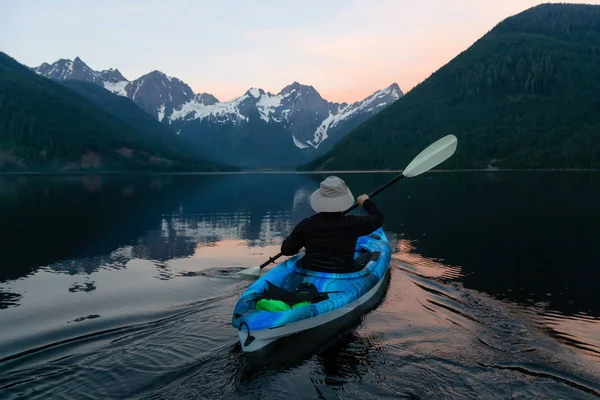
{"x": 290, "y": 299}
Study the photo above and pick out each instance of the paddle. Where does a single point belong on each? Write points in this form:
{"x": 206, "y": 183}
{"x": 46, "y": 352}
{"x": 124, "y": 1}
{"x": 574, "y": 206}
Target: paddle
{"x": 429, "y": 158}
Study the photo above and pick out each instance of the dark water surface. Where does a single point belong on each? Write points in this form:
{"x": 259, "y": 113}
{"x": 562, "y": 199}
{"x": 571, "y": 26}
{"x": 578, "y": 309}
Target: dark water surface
{"x": 120, "y": 287}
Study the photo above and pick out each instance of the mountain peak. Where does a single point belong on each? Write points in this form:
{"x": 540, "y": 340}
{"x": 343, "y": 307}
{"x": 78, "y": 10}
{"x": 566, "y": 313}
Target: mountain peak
{"x": 382, "y": 97}
{"x": 156, "y": 73}
{"x": 394, "y": 90}
{"x": 255, "y": 92}
{"x": 296, "y": 86}
{"x": 394, "y": 86}
{"x": 206, "y": 98}
{"x": 159, "y": 94}
{"x": 112, "y": 75}
{"x": 65, "y": 69}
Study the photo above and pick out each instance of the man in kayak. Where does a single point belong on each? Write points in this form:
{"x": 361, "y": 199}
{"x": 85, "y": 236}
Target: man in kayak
{"x": 329, "y": 237}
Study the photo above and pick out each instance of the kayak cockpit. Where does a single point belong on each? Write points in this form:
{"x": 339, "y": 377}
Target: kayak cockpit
{"x": 277, "y": 299}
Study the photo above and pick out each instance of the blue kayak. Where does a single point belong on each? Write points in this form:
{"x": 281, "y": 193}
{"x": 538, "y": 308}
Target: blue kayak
{"x": 290, "y": 299}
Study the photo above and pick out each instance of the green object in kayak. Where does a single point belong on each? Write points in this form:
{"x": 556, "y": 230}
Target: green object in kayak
{"x": 302, "y": 304}
{"x": 272, "y": 305}
{"x": 278, "y": 305}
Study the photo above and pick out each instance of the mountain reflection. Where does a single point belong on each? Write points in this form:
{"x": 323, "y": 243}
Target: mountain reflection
{"x": 79, "y": 224}
{"x": 527, "y": 237}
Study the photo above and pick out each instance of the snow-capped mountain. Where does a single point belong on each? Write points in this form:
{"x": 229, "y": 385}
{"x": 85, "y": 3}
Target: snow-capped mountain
{"x": 158, "y": 94}
{"x": 155, "y": 92}
{"x": 64, "y": 69}
{"x": 287, "y": 128}
{"x": 257, "y": 127}
{"x": 299, "y": 109}
{"x": 348, "y": 117}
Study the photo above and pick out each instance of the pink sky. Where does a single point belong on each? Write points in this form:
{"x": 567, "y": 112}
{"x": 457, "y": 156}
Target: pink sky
{"x": 346, "y": 49}
{"x": 361, "y": 63}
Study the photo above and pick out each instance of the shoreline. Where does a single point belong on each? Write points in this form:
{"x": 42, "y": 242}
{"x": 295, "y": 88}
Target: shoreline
{"x": 250, "y": 172}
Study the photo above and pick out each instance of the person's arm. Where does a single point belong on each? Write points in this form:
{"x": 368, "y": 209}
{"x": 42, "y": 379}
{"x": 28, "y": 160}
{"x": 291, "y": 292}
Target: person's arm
{"x": 370, "y": 223}
{"x": 294, "y": 242}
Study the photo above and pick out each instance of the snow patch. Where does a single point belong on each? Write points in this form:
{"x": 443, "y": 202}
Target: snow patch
{"x": 116, "y": 87}
{"x": 195, "y": 110}
{"x": 266, "y": 106}
{"x": 321, "y": 131}
{"x": 66, "y": 71}
{"x": 139, "y": 85}
{"x": 255, "y": 93}
{"x": 299, "y": 144}
{"x": 161, "y": 112}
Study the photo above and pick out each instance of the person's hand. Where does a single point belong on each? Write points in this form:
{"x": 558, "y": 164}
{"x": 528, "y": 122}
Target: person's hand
{"x": 361, "y": 199}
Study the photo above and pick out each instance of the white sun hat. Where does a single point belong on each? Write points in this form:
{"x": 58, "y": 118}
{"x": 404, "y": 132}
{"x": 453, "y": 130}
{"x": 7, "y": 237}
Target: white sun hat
{"x": 332, "y": 196}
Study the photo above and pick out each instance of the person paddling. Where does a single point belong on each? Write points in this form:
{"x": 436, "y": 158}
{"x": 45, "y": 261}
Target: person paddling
{"x": 329, "y": 237}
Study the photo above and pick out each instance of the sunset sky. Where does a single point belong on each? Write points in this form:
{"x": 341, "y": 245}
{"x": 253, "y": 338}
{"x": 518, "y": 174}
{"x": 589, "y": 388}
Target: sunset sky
{"x": 346, "y": 49}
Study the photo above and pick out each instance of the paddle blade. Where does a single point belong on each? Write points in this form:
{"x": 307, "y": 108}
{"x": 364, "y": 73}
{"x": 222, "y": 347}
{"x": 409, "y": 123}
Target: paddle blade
{"x": 254, "y": 271}
{"x": 432, "y": 156}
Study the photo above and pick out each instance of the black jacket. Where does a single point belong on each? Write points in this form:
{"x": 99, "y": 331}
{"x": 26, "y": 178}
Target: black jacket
{"x": 333, "y": 234}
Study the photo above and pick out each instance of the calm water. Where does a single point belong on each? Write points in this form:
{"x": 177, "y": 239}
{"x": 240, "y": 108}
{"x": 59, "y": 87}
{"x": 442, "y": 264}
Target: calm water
{"x": 121, "y": 287}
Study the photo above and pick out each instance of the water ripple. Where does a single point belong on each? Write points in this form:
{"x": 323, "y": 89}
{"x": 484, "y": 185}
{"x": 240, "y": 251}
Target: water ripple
{"x": 424, "y": 337}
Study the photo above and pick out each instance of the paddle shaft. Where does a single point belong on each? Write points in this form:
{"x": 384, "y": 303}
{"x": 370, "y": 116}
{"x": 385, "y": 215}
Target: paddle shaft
{"x": 372, "y": 194}
{"x": 378, "y": 190}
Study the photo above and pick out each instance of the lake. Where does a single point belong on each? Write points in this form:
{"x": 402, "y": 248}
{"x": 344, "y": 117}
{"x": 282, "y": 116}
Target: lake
{"x": 122, "y": 287}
